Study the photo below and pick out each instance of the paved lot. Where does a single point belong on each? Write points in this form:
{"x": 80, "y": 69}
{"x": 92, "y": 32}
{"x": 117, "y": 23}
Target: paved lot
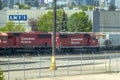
{"x": 107, "y": 76}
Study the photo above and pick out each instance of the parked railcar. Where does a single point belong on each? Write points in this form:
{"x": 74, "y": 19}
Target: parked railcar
{"x": 70, "y": 42}
{"x": 114, "y": 41}
{"x": 108, "y": 41}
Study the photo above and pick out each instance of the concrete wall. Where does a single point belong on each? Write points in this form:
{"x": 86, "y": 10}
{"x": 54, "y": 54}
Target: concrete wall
{"x": 3, "y": 18}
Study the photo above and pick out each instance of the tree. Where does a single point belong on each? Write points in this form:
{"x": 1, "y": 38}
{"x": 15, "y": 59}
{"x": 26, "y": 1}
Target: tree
{"x": 1, "y": 6}
{"x": 23, "y": 6}
{"x": 63, "y": 26}
{"x": 79, "y": 22}
{"x": 112, "y": 7}
{"x": 84, "y": 8}
{"x": 33, "y": 24}
{"x": 11, "y": 27}
{"x": 91, "y": 7}
{"x": 45, "y": 23}
{"x": 1, "y": 75}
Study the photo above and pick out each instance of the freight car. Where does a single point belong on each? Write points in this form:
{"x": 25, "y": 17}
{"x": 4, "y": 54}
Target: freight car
{"x": 114, "y": 41}
{"x": 109, "y": 40}
{"x": 25, "y": 42}
{"x": 70, "y": 42}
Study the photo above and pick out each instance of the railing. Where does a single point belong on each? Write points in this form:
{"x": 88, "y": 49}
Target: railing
{"x": 26, "y": 67}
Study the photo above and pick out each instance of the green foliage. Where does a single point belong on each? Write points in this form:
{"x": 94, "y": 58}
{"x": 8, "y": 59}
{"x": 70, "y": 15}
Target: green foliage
{"x": 61, "y": 21}
{"x": 63, "y": 24}
{"x": 91, "y": 7}
{"x": 1, "y": 75}
{"x": 23, "y": 6}
{"x": 33, "y": 24}
{"x": 84, "y": 8}
{"x": 45, "y": 23}
{"x": 79, "y": 22}
{"x": 11, "y": 27}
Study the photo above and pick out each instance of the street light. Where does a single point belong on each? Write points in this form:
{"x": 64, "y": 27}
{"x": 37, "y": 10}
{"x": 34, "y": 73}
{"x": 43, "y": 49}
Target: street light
{"x": 53, "y": 59}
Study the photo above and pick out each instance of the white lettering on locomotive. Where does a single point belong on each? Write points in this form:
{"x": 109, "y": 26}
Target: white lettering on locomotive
{"x": 76, "y": 40}
{"x": 4, "y": 41}
{"x": 28, "y": 40}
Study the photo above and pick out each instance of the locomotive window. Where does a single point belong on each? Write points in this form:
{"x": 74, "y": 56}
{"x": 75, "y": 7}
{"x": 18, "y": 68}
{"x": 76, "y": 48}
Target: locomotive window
{"x": 4, "y": 38}
{"x": 86, "y": 35}
{"x": 16, "y": 34}
{"x": 44, "y": 36}
{"x": 63, "y": 36}
{"x": 94, "y": 38}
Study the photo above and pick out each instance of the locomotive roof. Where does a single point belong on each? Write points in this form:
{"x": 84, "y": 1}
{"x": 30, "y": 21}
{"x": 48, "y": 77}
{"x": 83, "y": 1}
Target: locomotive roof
{"x": 3, "y": 34}
{"x": 75, "y": 32}
{"x": 30, "y": 32}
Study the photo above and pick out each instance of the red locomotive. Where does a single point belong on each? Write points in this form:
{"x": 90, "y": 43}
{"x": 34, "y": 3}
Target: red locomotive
{"x": 69, "y": 42}
{"x": 24, "y": 42}
{"x": 39, "y": 42}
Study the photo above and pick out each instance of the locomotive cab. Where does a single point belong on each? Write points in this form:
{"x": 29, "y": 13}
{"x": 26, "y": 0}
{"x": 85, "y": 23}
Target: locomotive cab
{"x": 93, "y": 41}
{"x": 3, "y": 39}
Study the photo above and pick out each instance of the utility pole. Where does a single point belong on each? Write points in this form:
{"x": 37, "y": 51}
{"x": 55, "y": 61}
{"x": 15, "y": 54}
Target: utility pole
{"x": 53, "y": 59}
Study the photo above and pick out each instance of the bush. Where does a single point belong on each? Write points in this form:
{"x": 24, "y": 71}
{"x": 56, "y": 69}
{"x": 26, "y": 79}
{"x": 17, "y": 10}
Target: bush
{"x": 1, "y": 75}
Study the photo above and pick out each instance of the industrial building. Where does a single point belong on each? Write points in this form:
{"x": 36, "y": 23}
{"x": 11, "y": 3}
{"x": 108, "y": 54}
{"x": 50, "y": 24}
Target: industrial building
{"x": 106, "y": 21}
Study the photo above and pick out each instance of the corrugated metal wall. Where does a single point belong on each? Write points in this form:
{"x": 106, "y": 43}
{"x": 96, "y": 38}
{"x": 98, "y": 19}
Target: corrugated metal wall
{"x": 106, "y": 21}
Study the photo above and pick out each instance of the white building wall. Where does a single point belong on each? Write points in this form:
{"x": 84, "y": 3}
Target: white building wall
{"x": 3, "y": 18}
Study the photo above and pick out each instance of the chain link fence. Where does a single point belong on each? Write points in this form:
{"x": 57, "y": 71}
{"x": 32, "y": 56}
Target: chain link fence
{"x": 26, "y": 67}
